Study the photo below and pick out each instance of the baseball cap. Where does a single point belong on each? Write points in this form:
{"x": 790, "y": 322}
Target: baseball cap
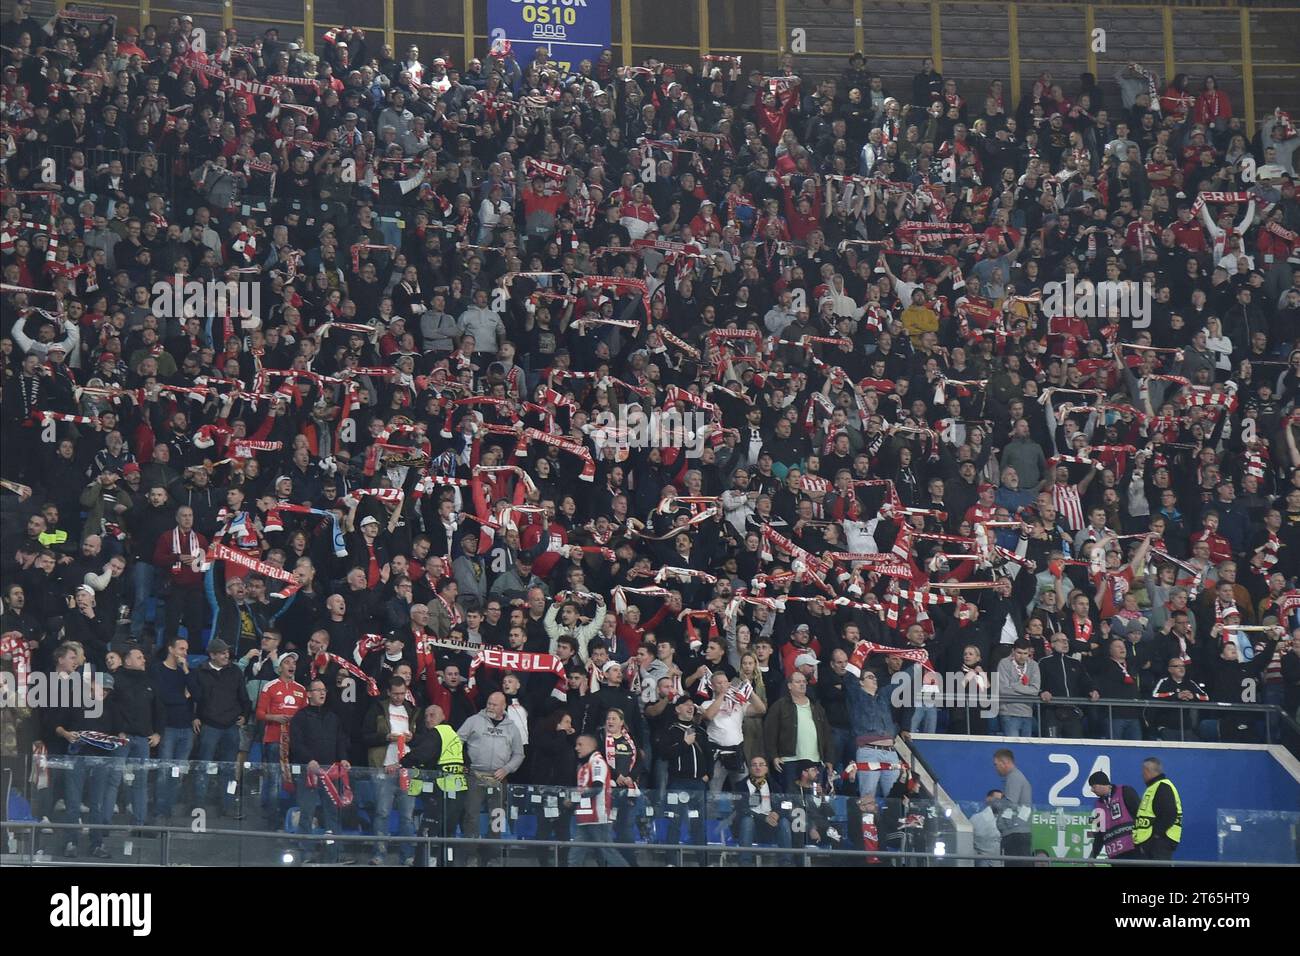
{"x": 805, "y": 658}
{"x": 369, "y": 519}
{"x": 130, "y": 468}
{"x": 216, "y": 646}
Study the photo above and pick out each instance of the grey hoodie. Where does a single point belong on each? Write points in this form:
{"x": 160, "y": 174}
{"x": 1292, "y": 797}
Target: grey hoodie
{"x": 486, "y": 327}
{"x": 438, "y": 331}
{"x": 492, "y": 744}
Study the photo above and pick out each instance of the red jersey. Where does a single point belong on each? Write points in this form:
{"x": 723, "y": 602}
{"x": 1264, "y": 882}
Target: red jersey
{"x": 280, "y": 698}
{"x": 1190, "y": 235}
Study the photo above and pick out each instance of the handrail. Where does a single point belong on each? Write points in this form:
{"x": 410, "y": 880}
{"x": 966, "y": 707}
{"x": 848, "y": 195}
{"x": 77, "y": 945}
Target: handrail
{"x": 32, "y": 826}
{"x": 1151, "y": 702}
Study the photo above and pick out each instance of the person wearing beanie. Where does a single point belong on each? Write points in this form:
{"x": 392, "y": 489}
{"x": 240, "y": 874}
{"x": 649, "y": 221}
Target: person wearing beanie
{"x": 1117, "y": 808}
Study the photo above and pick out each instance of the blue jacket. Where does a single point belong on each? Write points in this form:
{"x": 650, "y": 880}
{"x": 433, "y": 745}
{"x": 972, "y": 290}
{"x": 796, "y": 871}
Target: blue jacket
{"x": 870, "y": 715}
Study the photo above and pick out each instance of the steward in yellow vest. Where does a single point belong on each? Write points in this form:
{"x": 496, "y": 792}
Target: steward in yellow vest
{"x": 1159, "y": 826}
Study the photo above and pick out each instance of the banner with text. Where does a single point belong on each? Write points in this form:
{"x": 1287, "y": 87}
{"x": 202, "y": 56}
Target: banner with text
{"x": 570, "y": 30}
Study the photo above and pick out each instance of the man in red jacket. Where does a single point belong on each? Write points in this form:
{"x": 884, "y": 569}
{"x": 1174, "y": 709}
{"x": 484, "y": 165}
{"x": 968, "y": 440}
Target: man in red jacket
{"x": 177, "y": 555}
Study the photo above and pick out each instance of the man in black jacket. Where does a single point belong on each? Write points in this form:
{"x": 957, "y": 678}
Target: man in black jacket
{"x": 140, "y": 718}
{"x": 317, "y": 746}
{"x": 1063, "y": 676}
{"x": 221, "y": 709}
{"x": 152, "y": 515}
{"x": 686, "y": 749}
{"x": 1117, "y": 679}
{"x": 1234, "y": 681}
{"x": 1171, "y": 723}
{"x": 1166, "y": 813}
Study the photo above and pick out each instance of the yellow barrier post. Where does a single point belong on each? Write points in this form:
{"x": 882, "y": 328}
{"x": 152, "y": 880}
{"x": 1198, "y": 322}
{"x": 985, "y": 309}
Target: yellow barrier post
{"x": 309, "y": 27}
{"x": 1089, "y": 25}
{"x": 1167, "y": 22}
{"x": 390, "y": 26}
{"x": 1247, "y": 70}
{"x": 782, "y": 34}
{"x": 704, "y": 29}
{"x": 936, "y": 36}
{"x": 859, "y": 42}
{"x": 227, "y": 14}
{"x": 1013, "y": 39}
{"x": 626, "y": 17}
{"x": 469, "y": 32}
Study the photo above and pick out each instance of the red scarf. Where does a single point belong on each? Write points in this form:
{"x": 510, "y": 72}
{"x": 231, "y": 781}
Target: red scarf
{"x": 332, "y": 779}
{"x": 1083, "y": 629}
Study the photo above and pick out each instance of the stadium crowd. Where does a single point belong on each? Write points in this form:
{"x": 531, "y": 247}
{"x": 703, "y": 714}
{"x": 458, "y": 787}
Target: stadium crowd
{"x": 654, "y": 429}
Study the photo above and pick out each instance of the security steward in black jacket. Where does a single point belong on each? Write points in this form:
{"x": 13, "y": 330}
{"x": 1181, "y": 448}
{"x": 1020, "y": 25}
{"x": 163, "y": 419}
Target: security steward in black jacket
{"x": 437, "y": 759}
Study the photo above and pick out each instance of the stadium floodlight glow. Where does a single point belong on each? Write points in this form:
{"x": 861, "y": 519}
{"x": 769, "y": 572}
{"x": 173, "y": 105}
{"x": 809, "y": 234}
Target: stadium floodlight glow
{"x": 940, "y": 848}
{"x": 287, "y": 858}
{"x": 947, "y": 811}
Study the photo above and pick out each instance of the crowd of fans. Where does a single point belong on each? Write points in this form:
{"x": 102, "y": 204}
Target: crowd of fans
{"x": 389, "y": 500}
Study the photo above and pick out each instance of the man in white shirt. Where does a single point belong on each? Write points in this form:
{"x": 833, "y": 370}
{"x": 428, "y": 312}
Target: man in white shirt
{"x": 725, "y": 715}
{"x": 388, "y": 729}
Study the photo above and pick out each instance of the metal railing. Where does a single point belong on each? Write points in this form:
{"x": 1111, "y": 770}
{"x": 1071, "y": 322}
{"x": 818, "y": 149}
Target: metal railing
{"x": 1196, "y": 721}
{"x": 210, "y": 807}
{"x": 640, "y": 28}
{"x": 197, "y": 801}
{"x": 526, "y": 852}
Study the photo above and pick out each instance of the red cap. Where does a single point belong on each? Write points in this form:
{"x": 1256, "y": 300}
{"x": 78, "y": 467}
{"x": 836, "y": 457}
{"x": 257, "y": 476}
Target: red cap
{"x": 130, "y": 468}
{"x": 985, "y": 486}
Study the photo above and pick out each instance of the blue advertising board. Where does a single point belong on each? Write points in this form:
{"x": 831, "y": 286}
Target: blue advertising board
{"x": 1209, "y": 777}
{"x": 571, "y": 30}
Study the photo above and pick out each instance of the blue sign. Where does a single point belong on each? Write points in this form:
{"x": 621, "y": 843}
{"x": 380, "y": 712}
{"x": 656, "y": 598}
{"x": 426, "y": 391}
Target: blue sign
{"x": 570, "y": 30}
{"x": 1209, "y": 778}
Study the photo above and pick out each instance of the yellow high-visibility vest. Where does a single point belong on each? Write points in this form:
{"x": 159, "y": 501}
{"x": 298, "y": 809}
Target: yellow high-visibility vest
{"x": 451, "y": 764}
{"x": 1146, "y": 817}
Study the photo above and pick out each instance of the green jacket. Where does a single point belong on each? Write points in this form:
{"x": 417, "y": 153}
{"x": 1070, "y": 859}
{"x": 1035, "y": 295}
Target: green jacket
{"x": 375, "y": 730}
